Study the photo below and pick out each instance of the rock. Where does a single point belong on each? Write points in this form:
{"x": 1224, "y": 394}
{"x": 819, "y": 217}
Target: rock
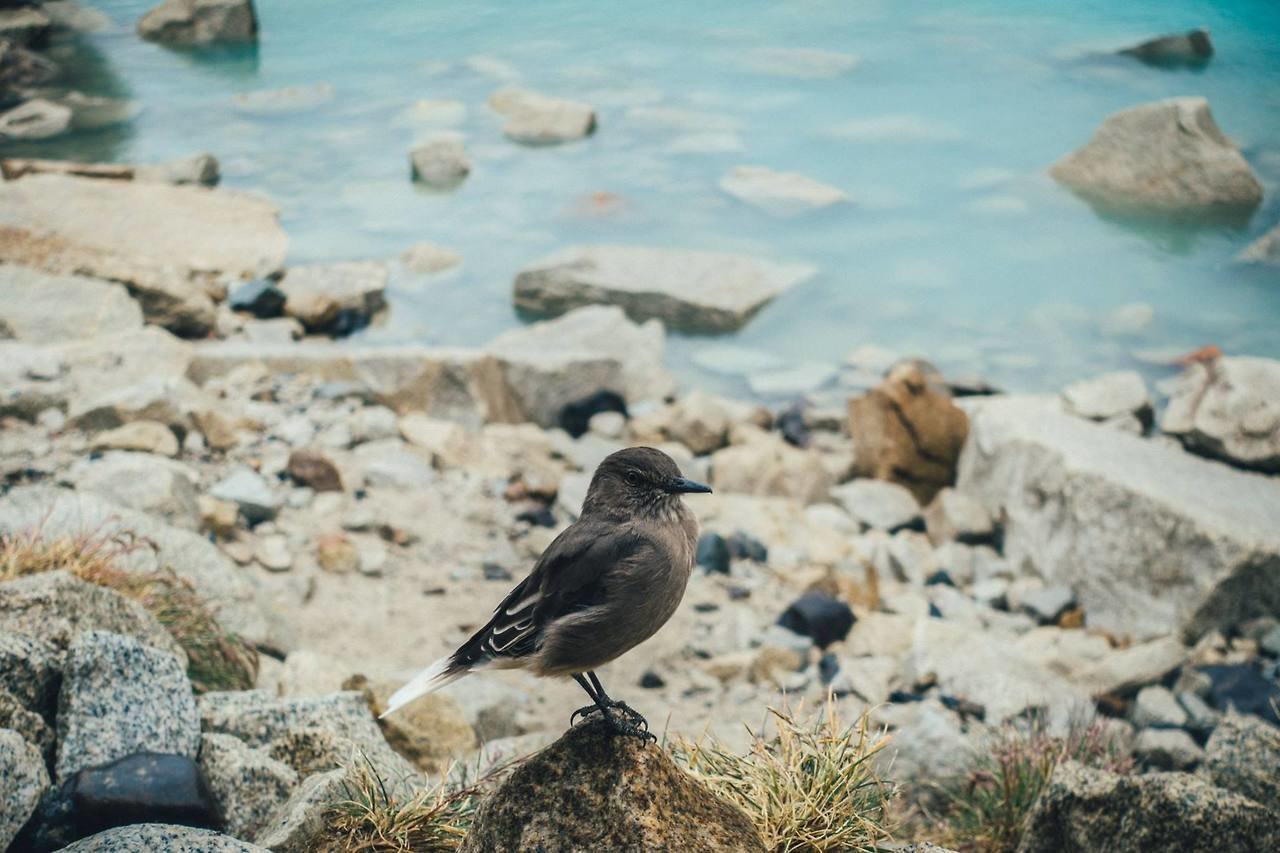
{"x": 432, "y": 732}
{"x": 591, "y": 789}
{"x": 307, "y": 673}
{"x": 27, "y": 26}
{"x": 389, "y": 465}
{"x": 261, "y": 297}
{"x": 687, "y": 290}
{"x": 547, "y": 365}
{"x": 1167, "y": 749}
{"x": 300, "y": 823}
{"x": 35, "y": 119}
{"x": 1123, "y": 671}
{"x": 42, "y": 308}
{"x": 248, "y": 490}
{"x": 248, "y": 785}
{"x": 700, "y": 422}
{"x": 908, "y": 431}
{"x": 373, "y": 423}
{"x": 929, "y": 745}
{"x": 280, "y": 330}
{"x": 1242, "y": 688}
{"x": 91, "y": 112}
{"x": 334, "y": 297}
{"x": 162, "y": 242}
{"x": 198, "y": 169}
{"x": 954, "y": 516}
{"x": 779, "y": 193}
{"x": 1167, "y": 157}
{"x": 1109, "y": 396}
{"x": 1264, "y": 250}
{"x": 314, "y": 470}
{"x": 820, "y": 617}
{"x": 878, "y": 505}
{"x": 1156, "y": 706}
{"x": 197, "y": 23}
{"x": 143, "y": 482}
{"x": 576, "y": 416}
{"x": 1084, "y": 809}
{"x": 535, "y": 119}
{"x": 143, "y": 436}
{"x": 145, "y": 787}
{"x": 869, "y": 678}
{"x": 429, "y": 259}
{"x": 440, "y": 162}
{"x": 1229, "y": 409}
{"x": 273, "y": 553}
{"x": 1190, "y": 48}
{"x": 337, "y": 554}
{"x": 119, "y": 697}
{"x": 16, "y": 716}
{"x": 149, "y": 837}
{"x": 1048, "y": 603}
{"x": 713, "y": 553}
{"x": 1094, "y": 508}
{"x": 55, "y": 607}
{"x": 1242, "y": 756}
{"x": 23, "y": 780}
{"x": 769, "y": 466}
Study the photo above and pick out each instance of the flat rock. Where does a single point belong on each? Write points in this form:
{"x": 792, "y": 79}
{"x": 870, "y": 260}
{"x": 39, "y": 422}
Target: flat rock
{"x": 40, "y": 307}
{"x": 1242, "y": 756}
{"x": 318, "y": 295}
{"x": 1108, "y": 396}
{"x": 440, "y": 162}
{"x": 119, "y": 697}
{"x": 150, "y": 837}
{"x": 191, "y": 23}
{"x": 35, "y": 119}
{"x": 779, "y": 193}
{"x": 143, "y": 436}
{"x": 1229, "y": 410}
{"x": 536, "y": 119}
{"x": 687, "y": 290}
{"x": 592, "y": 789}
{"x": 248, "y": 785}
{"x": 1095, "y": 509}
{"x": 141, "y": 481}
{"x": 251, "y": 492}
{"x": 1166, "y": 156}
{"x": 23, "y": 780}
{"x": 878, "y": 504}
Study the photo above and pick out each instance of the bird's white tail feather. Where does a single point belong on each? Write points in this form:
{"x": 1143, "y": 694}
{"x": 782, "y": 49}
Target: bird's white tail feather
{"x": 429, "y": 680}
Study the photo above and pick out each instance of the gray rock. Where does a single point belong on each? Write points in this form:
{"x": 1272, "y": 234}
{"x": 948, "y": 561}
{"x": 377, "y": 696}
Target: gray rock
{"x": 190, "y": 23}
{"x": 199, "y": 169}
{"x": 1108, "y": 396}
{"x": 1167, "y": 156}
{"x": 1190, "y": 48}
{"x": 1264, "y": 250}
{"x": 247, "y": 784}
{"x": 390, "y": 465}
{"x": 40, "y": 307}
{"x": 928, "y": 744}
{"x": 1242, "y": 756}
{"x": 1230, "y": 410}
{"x": 1095, "y": 508}
{"x": 318, "y": 294}
{"x": 1125, "y": 670}
{"x": 878, "y": 504}
{"x": 170, "y": 401}
{"x": 536, "y": 119}
{"x": 25, "y": 25}
{"x": 686, "y": 290}
{"x": 1047, "y": 603}
{"x": 300, "y": 822}
{"x": 143, "y": 482}
{"x": 152, "y": 837}
{"x": 1200, "y": 717}
{"x": 373, "y": 423}
{"x": 35, "y": 119}
{"x": 440, "y": 162}
{"x": 15, "y": 715}
{"x": 1157, "y": 706}
{"x": 957, "y": 516}
{"x": 428, "y": 258}
{"x": 1167, "y": 749}
{"x": 119, "y": 697}
{"x": 1084, "y": 809}
{"x": 23, "y": 780}
{"x": 779, "y": 193}
{"x": 30, "y": 668}
{"x": 249, "y": 490}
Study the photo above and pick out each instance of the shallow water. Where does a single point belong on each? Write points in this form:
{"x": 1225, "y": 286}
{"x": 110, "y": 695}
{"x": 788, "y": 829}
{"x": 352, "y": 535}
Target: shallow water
{"x": 956, "y": 245}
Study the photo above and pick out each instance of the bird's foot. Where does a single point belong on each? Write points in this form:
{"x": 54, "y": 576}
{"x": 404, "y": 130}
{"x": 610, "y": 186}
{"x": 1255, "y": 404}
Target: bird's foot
{"x": 584, "y": 712}
{"x": 631, "y": 724}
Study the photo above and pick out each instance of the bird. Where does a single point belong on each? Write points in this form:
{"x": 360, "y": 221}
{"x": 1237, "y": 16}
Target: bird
{"x": 606, "y": 584}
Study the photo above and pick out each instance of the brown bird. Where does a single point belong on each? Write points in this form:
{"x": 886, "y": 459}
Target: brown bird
{"x": 602, "y": 587}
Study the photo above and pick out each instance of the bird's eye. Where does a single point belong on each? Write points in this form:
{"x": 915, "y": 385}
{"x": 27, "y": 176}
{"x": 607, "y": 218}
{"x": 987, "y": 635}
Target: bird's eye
{"x": 632, "y": 478}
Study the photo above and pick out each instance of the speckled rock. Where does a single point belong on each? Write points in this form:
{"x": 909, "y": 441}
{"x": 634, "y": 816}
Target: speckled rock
{"x": 594, "y": 790}
{"x": 248, "y": 785}
{"x": 23, "y": 778}
{"x": 311, "y": 749}
{"x": 152, "y": 837}
{"x": 299, "y": 824}
{"x": 14, "y": 715}
{"x": 30, "y": 670}
{"x": 1083, "y": 809}
{"x": 1243, "y": 755}
{"x": 119, "y": 697}
{"x": 431, "y": 732}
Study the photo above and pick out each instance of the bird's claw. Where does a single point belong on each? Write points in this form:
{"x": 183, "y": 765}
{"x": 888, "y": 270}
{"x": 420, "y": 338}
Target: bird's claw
{"x": 584, "y": 712}
{"x": 627, "y": 720}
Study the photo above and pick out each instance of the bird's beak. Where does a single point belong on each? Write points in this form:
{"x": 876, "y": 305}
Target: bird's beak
{"x": 680, "y": 485}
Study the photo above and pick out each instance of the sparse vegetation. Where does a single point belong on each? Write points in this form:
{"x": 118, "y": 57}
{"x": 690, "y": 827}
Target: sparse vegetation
{"x": 811, "y": 787}
{"x": 988, "y": 809}
{"x": 216, "y": 658}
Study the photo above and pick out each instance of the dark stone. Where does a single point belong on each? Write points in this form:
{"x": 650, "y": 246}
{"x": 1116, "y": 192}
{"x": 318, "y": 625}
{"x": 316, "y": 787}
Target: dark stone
{"x": 1193, "y": 48}
{"x": 706, "y": 607}
{"x": 147, "y": 787}
{"x": 260, "y": 297}
{"x": 538, "y": 516}
{"x": 739, "y": 593}
{"x": 713, "y": 553}
{"x": 651, "y": 680}
{"x": 494, "y": 572}
{"x": 934, "y": 611}
{"x": 940, "y": 578}
{"x": 820, "y": 617}
{"x": 794, "y": 427}
{"x": 575, "y": 416}
{"x": 744, "y": 546}
{"x": 971, "y": 386}
{"x": 904, "y": 696}
{"x": 52, "y": 825}
{"x": 348, "y": 321}
{"x": 964, "y": 707}
{"x": 308, "y": 468}
{"x": 828, "y": 667}
{"x": 1242, "y": 687}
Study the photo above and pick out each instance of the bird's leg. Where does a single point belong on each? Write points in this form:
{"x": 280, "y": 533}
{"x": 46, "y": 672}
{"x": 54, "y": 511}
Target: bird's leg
{"x": 601, "y": 701}
{"x": 632, "y": 722}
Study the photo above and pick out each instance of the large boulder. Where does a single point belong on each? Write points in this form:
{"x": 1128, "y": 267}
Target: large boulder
{"x": 1152, "y": 540}
{"x": 165, "y": 243}
{"x": 150, "y": 837}
{"x": 342, "y": 296}
{"x": 1229, "y": 409}
{"x": 150, "y": 484}
{"x": 119, "y": 697}
{"x": 1167, "y": 157}
{"x": 39, "y": 307}
{"x": 23, "y": 779}
{"x": 1085, "y": 809}
{"x": 247, "y": 784}
{"x": 594, "y": 790}
{"x": 550, "y": 364}
{"x": 687, "y": 290}
{"x": 908, "y": 431}
{"x": 1243, "y": 755}
{"x": 536, "y": 119}
{"x": 779, "y": 193}
{"x": 30, "y": 668}
{"x": 191, "y": 23}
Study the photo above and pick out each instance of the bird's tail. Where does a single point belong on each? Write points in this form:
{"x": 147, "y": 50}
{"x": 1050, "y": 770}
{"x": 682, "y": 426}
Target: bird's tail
{"x": 448, "y": 669}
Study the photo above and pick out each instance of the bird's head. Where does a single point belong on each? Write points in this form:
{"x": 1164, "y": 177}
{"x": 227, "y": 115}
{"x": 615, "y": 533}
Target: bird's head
{"x": 637, "y": 480}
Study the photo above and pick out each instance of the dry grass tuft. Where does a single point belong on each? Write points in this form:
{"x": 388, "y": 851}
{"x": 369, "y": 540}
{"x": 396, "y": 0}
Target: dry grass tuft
{"x": 216, "y": 658}
{"x": 812, "y": 787}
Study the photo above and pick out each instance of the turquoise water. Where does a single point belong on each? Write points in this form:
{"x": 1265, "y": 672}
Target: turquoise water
{"x": 956, "y": 245}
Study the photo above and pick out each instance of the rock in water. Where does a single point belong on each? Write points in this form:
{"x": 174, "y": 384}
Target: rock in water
{"x": 687, "y": 290}
{"x": 1166, "y": 157}
{"x": 536, "y": 119}
{"x": 594, "y": 790}
{"x": 779, "y": 193}
{"x": 1229, "y": 409}
{"x": 1264, "y": 250}
{"x": 1083, "y": 809}
{"x": 908, "y": 431}
{"x": 1189, "y": 48}
{"x": 190, "y": 23}
{"x": 440, "y": 163}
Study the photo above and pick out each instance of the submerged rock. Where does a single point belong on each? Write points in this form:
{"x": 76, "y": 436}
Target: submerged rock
{"x": 687, "y": 290}
{"x": 593, "y": 789}
{"x": 1229, "y": 409}
{"x": 1190, "y": 48}
{"x": 1167, "y": 157}
{"x": 536, "y": 119}
{"x": 440, "y": 162}
{"x": 190, "y": 23}
{"x": 779, "y": 193}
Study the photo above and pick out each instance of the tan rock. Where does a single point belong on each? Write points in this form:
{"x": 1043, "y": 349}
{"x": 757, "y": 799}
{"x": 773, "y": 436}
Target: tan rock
{"x": 146, "y": 436}
{"x": 431, "y": 732}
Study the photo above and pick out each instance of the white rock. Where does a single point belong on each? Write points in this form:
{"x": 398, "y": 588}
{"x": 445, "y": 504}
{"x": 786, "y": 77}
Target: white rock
{"x": 1167, "y": 749}
{"x": 272, "y": 552}
{"x": 144, "y": 482}
{"x": 248, "y": 490}
{"x": 699, "y": 422}
{"x": 373, "y": 423}
{"x": 878, "y": 504}
{"x": 770, "y": 466}
{"x": 316, "y": 294}
{"x": 1229, "y": 410}
{"x": 428, "y": 258}
{"x": 440, "y": 161}
{"x": 1156, "y": 706}
{"x": 35, "y": 119}
{"x": 42, "y": 308}
{"x": 536, "y": 119}
{"x": 956, "y": 516}
{"x": 1108, "y": 396}
{"x": 779, "y": 193}
{"x": 144, "y": 436}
